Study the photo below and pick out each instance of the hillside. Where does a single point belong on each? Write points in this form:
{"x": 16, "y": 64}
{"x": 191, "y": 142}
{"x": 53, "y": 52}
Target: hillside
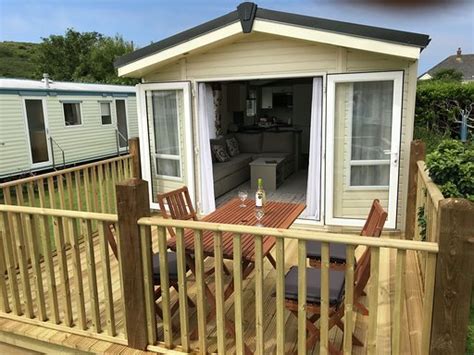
{"x": 16, "y": 59}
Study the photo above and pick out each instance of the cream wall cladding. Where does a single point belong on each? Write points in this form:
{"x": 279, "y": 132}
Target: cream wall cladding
{"x": 258, "y": 54}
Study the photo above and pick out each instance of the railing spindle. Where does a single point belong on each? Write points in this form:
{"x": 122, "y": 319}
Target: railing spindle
{"x": 108, "y": 189}
{"x": 4, "y": 304}
{"x": 373, "y": 299}
{"x": 430, "y": 273}
{"x": 23, "y": 263}
{"x": 106, "y": 279}
{"x": 87, "y": 234}
{"x": 63, "y": 270}
{"x": 348, "y": 299}
{"x": 259, "y": 340}
{"x": 78, "y": 186}
{"x": 70, "y": 192}
{"x": 101, "y": 183}
{"x": 114, "y": 182}
{"x": 201, "y": 289}
{"x": 31, "y": 194}
{"x": 8, "y": 201}
{"x": 87, "y": 189}
{"x": 32, "y": 239}
{"x": 399, "y": 300}
{"x": 183, "y": 290}
{"x": 77, "y": 271}
{"x": 10, "y": 264}
{"x": 238, "y": 301}
{"x": 147, "y": 252}
{"x": 218, "y": 269}
{"x": 45, "y": 238}
{"x": 324, "y": 321}
{"x": 165, "y": 287}
{"x": 95, "y": 197}
{"x": 280, "y": 296}
{"x": 302, "y": 282}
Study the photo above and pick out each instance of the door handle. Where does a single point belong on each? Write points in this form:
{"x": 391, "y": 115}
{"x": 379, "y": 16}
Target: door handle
{"x": 395, "y": 159}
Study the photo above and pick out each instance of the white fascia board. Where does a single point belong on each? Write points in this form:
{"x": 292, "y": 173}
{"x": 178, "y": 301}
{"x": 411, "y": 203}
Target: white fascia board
{"x": 336, "y": 39}
{"x": 188, "y": 46}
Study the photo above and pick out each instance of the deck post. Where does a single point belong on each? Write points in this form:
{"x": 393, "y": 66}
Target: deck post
{"x": 417, "y": 152}
{"x": 132, "y": 204}
{"x": 134, "y": 150}
{"x": 454, "y": 277}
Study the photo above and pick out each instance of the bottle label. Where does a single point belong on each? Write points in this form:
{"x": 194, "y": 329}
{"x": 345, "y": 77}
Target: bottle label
{"x": 258, "y": 201}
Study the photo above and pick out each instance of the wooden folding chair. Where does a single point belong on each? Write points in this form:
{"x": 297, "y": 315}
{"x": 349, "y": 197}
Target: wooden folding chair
{"x": 180, "y": 207}
{"x": 172, "y": 272}
{"x": 337, "y": 252}
{"x": 336, "y": 297}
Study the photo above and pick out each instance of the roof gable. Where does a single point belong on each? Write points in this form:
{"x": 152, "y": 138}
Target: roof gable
{"x": 463, "y": 63}
{"x": 248, "y": 17}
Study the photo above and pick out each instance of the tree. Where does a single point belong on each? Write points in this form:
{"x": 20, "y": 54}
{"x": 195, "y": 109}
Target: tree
{"x": 84, "y": 57}
{"x": 448, "y": 74}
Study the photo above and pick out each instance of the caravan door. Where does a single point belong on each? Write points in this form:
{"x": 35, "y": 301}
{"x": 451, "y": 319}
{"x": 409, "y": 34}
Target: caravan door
{"x": 363, "y": 142}
{"x": 166, "y": 140}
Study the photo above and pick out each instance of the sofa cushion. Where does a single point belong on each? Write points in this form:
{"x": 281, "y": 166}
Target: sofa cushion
{"x": 220, "y": 153}
{"x": 249, "y": 142}
{"x": 241, "y": 161}
{"x": 232, "y": 146}
{"x": 288, "y": 156}
{"x": 278, "y": 142}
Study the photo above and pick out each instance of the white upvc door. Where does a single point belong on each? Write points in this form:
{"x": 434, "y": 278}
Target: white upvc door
{"x": 166, "y": 139}
{"x": 363, "y": 142}
{"x": 36, "y": 121}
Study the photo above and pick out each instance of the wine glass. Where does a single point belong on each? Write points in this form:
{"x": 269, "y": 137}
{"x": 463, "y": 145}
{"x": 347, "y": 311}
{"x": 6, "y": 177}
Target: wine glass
{"x": 243, "y": 196}
{"x": 259, "y": 213}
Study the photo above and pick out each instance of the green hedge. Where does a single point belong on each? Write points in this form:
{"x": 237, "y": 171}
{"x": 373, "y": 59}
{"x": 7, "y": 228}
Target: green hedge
{"x": 436, "y": 110}
{"x": 451, "y": 167}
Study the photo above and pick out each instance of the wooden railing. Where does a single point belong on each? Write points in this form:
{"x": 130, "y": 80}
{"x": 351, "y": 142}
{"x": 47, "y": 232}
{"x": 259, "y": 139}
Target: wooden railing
{"x": 449, "y": 222}
{"x": 282, "y": 237}
{"x": 47, "y": 286}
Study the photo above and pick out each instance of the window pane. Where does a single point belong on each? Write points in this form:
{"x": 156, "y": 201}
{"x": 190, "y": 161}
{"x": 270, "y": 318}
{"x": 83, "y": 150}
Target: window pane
{"x": 371, "y": 119}
{"x": 370, "y": 175}
{"x": 168, "y": 167}
{"x": 72, "y": 113}
{"x": 105, "y": 113}
{"x": 165, "y": 119}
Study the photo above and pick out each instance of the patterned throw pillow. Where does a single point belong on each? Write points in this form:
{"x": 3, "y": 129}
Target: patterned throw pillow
{"x": 220, "y": 153}
{"x": 232, "y": 146}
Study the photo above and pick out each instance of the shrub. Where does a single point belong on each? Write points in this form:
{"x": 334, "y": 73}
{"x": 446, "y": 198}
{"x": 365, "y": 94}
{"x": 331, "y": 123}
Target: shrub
{"x": 451, "y": 167}
{"x": 438, "y": 106}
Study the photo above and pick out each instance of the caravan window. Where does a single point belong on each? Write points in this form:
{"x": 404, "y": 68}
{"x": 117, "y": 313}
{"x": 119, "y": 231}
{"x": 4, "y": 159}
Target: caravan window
{"x": 105, "y": 113}
{"x": 72, "y": 113}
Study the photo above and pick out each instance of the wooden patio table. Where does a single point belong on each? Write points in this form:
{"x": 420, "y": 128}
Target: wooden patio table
{"x": 277, "y": 215}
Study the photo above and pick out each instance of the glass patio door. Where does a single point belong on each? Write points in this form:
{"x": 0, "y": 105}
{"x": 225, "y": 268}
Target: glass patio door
{"x": 364, "y": 116}
{"x": 166, "y": 137}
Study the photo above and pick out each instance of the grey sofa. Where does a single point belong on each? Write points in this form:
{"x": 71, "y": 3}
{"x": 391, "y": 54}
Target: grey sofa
{"x": 230, "y": 174}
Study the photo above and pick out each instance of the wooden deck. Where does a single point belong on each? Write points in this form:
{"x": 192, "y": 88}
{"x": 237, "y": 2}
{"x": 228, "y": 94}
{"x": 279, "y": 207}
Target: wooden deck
{"x": 410, "y": 326}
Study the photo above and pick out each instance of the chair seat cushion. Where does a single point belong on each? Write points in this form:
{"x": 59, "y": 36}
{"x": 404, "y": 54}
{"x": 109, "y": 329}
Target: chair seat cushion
{"x": 313, "y": 285}
{"x": 337, "y": 252}
{"x": 172, "y": 266}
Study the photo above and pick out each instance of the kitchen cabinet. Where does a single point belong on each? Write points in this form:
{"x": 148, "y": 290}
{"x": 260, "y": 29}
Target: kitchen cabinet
{"x": 236, "y": 96}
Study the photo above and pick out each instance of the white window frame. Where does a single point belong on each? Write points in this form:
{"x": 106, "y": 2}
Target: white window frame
{"x": 111, "y": 113}
{"x": 81, "y": 117}
{"x": 332, "y": 80}
{"x": 188, "y": 179}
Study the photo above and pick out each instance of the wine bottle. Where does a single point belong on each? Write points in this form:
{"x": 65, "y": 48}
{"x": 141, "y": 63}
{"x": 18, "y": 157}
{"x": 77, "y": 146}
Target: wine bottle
{"x": 260, "y": 197}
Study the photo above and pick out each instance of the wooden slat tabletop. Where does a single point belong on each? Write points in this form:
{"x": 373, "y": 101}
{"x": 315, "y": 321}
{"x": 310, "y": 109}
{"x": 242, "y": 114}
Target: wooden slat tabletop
{"x": 277, "y": 215}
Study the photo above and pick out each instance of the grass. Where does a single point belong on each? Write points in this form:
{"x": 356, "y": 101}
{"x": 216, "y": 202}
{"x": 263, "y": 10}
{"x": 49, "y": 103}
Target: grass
{"x": 16, "y": 60}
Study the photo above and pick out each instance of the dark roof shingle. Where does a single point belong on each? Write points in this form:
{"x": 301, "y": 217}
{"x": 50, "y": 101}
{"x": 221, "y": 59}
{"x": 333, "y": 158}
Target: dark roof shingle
{"x": 378, "y": 33}
{"x": 464, "y": 64}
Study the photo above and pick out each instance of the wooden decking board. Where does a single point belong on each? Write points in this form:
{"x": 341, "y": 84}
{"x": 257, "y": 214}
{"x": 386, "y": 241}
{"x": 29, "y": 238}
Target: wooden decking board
{"x": 409, "y": 324}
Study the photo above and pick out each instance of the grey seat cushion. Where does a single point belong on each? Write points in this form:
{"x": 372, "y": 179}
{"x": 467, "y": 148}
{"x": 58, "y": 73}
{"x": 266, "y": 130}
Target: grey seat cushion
{"x": 289, "y": 156}
{"x": 172, "y": 266}
{"x": 313, "y": 285}
{"x": 241, "y": 161}
{"x": 337, "y": 252}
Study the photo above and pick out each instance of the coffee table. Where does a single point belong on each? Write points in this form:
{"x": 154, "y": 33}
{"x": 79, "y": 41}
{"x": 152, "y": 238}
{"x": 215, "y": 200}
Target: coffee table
{"x": 270, "y": 170}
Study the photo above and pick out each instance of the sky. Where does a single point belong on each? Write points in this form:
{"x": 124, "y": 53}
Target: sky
{"x": 450, "y": 25}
